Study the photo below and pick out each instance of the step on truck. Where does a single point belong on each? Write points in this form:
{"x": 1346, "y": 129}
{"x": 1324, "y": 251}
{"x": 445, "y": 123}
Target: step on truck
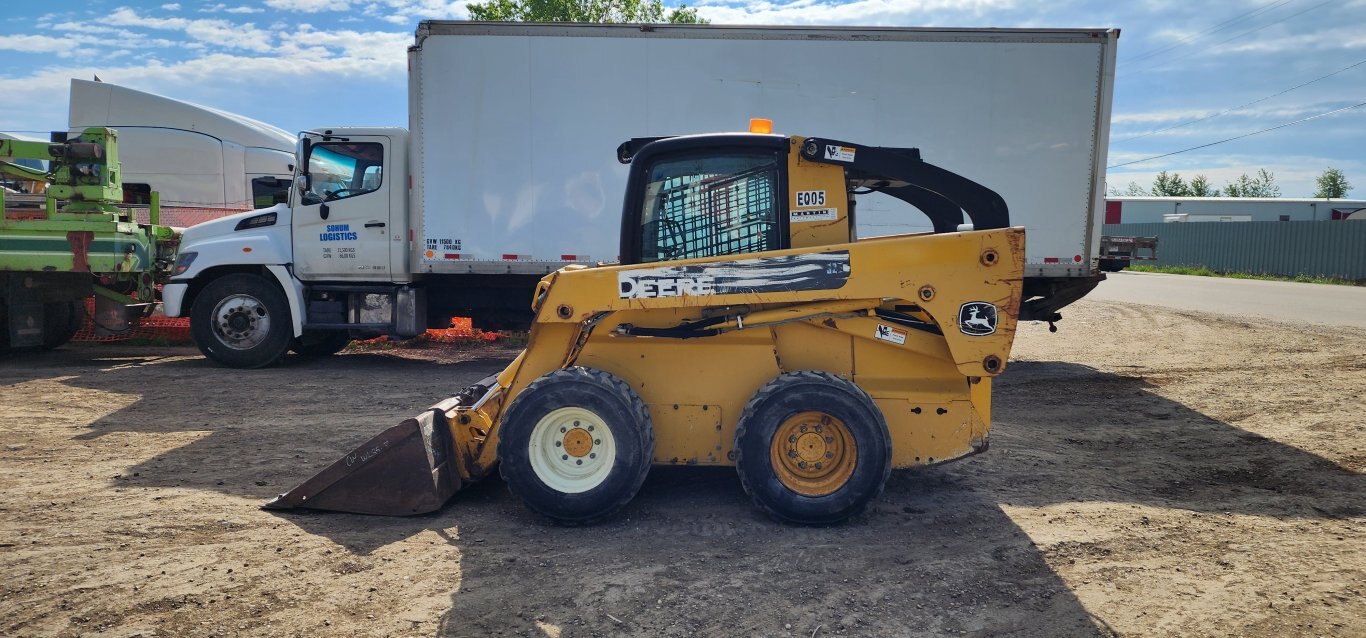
{"x": 506, "y": 172}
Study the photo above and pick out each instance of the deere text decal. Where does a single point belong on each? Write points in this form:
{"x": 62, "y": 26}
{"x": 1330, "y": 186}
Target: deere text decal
{"x": 821, "y": 271}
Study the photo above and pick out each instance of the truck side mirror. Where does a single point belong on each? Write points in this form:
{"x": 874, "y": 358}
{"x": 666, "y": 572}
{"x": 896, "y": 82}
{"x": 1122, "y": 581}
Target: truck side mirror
{"x": 301, "y": 183}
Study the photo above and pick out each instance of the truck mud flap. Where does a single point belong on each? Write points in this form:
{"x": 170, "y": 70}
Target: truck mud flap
{"x": 407, "y": 469}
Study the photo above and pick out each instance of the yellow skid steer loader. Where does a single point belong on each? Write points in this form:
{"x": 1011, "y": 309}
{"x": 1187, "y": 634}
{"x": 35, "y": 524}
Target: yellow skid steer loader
{"x": 745, "y": 325}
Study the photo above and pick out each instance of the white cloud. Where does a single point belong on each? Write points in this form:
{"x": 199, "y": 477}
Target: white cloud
{"x": 309, "y": 6}
{"x": 38, "y": 44}
{"x": 223, "y": 8}
{"x": 174, "y": 6}
{"x": 207, "y": 30}
{"x": 404, "y": 11}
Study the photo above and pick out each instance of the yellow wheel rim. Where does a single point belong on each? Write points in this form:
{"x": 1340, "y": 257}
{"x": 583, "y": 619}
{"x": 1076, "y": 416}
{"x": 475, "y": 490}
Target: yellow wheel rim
{"x": 813, "y": 453}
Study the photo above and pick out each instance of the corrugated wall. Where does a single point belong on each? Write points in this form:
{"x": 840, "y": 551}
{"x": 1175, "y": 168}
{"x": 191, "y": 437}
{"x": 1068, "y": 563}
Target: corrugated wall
{"x": 1324, "y": 248}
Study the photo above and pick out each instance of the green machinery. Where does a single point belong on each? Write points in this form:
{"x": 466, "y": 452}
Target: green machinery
{"x": 74, "y": 241}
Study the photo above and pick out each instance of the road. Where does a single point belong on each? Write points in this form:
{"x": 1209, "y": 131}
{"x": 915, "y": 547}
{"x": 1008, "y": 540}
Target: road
{"x": 1276, "y": 300}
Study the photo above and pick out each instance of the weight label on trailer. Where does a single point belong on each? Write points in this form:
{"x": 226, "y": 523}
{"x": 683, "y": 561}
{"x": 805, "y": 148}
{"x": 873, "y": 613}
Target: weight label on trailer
{"x": 437, "y": 248}
{"x": 977, "y": 318}
{"x": 839, "y": 153}
{"x": 814, "y": 215}
{"x": 807, "y": 199}
{"x": 887, "y": 333}
{"x": 821, "y": 271}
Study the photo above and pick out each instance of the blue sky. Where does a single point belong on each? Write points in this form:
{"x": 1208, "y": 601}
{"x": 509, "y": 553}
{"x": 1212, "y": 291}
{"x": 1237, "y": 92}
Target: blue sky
{"x": 304, "y": 63}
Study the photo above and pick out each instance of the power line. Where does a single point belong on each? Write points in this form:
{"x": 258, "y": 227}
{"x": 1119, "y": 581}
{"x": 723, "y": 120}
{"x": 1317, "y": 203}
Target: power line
{"x": 1239, "y": 137}
{"x": 1214, "y": 29}
{"x": 1236, "y": 108}
{"x": 1227, "y": 40}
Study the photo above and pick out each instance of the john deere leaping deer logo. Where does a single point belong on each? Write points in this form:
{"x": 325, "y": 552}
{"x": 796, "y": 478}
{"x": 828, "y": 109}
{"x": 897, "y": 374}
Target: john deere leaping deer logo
{"x": 977, "y": 318}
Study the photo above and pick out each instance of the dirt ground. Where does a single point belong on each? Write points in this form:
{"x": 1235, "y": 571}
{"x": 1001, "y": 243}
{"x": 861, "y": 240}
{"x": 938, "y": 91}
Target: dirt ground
{"x": 1152, "y": 473}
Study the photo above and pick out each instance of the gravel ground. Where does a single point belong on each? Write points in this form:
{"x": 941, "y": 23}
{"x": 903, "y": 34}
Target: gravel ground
{"x": 1152, "y": 473}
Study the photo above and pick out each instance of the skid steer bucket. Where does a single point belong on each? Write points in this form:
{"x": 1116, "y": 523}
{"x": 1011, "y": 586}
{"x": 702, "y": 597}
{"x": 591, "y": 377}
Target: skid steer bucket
{"x": 410, "y": 468}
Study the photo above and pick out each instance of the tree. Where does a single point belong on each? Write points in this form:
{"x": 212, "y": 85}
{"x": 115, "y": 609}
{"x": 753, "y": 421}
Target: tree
{"x": 641, "y": 11}
{"x": 1200, "y": 187}
{"x": 1263, "y": 185}
{"x": 1169, "y": 185}
{"x": 1332, "y": 183}
{"x": 1133, "y": 190}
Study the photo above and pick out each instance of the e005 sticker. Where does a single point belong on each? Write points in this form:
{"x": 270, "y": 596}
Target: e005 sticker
{"x": 810, "y": 198}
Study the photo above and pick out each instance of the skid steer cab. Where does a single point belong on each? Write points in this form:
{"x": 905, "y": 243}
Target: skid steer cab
{"x": 745, "y": 326}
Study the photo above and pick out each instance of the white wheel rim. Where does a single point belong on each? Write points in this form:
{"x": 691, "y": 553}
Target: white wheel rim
{"x": 241, "y": 322}
{"x": 572, "y": 450}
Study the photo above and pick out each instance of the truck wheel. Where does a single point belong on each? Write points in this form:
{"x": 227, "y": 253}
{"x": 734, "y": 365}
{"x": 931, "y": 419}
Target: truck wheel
{"x": 61, "y": 321}
{"x": 241, "y": 321}
{"x": 320, "y": 343}
{"x": 812, "y": 448}
{"x": 576, "y": 445}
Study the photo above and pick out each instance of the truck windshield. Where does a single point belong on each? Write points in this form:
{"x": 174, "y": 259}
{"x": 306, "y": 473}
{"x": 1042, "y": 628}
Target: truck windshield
{"x": 339, "y": 170}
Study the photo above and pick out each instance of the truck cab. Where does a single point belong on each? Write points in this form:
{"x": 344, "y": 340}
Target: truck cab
{"x": 308, "y": 275}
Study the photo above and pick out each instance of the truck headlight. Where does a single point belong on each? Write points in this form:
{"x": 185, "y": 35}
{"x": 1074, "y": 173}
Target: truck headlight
{"x": 182, "y": 263}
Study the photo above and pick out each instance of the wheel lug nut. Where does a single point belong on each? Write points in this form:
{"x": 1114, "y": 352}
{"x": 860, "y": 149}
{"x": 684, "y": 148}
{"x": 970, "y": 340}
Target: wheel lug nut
{"x": 592, "y": 455}
{"x": 578, "y": 462}
{"x": 818, "y": 465}
{"x": 564, "y": 457}
{"x": 829, "y": 439}
{"x": 803, "y": 428}
{"x": 563, "y": 430}
{"x": 792, "y": 454}
{"x": 558, "y": 444}
{"x": 825, "y": 418}
{"x": 576, "y": 424}
{"x": 818, "y": 428}
{"x": 829, "y": 455}
{"x": 597, "y": 441}
{"x": 590, "y": 428}
{"x": 802, "y": 464}
{"x": 792, "y": 438}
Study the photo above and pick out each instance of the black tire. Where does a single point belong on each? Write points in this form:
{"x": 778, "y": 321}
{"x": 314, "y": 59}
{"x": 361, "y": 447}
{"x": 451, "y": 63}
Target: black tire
{"x": 259, "y": 299}
{"x": 320, "y": 343}
{"x": 605, "y": 398}
{"x": 61, "y": 321}
{"x": 786, "y": 399}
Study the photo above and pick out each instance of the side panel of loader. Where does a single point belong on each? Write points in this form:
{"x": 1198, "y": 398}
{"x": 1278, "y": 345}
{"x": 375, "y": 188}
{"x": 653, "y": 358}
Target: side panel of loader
{"x": 931, "y": 381}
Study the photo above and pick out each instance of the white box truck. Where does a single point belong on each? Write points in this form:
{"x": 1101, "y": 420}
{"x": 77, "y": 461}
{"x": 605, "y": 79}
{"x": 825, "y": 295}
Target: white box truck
{"x": 511, "y": 169}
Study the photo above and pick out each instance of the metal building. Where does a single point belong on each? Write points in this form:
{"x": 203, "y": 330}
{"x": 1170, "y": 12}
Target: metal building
{"x": 1145, "y": 210}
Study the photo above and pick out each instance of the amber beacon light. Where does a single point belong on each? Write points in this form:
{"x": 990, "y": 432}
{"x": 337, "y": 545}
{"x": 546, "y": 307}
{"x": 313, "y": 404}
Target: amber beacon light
{"x": 760, "y": 125}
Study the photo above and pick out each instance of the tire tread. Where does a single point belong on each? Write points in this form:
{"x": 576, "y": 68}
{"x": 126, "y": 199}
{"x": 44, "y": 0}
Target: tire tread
{"x": 622, "y": 392}
{"x": 781, "y": 383}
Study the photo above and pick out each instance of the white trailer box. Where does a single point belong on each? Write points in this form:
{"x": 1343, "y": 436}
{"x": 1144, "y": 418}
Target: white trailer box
{"x": 510, "y": 167}
{"x": 515, "y": 126}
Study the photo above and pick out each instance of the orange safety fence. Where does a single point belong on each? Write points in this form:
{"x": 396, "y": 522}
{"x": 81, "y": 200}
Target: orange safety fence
{"x": 176, "y": 330}
{"x": 158, "y": 327}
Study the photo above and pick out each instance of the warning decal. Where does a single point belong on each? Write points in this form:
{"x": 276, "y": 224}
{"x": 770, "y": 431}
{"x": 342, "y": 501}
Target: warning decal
{"x": 885, "y": 332}
{"x": 839, "y": 153}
